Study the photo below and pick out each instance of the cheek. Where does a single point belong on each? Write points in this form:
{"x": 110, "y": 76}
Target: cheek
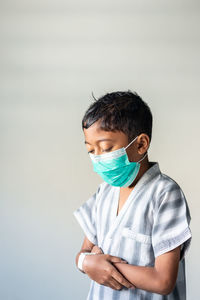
{"x": 132, "y": 155}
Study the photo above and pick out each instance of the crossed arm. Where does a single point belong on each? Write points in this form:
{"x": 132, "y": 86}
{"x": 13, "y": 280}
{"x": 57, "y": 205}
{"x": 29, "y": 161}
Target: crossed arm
{"x": 114, "y": 272}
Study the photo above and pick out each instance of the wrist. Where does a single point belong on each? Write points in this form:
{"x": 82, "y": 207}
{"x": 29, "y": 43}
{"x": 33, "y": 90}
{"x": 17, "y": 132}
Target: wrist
{"x": 81, "y": 259}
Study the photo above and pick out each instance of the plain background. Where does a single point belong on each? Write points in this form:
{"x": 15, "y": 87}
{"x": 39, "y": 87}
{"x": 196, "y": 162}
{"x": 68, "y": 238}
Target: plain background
{"x": 54, "y": 54}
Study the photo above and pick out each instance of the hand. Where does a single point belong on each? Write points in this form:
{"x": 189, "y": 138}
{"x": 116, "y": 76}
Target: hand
{"x": 100, "y": 269}
{"x": 97, "y": 250}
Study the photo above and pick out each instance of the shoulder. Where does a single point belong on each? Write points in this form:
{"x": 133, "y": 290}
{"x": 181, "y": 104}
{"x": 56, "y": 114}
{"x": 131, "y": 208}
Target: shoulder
{"x": 105, "y": 194}
{"x": 167, "y": 189}
{"x": 104, "y": 188}
{"x": 158, "y": 183}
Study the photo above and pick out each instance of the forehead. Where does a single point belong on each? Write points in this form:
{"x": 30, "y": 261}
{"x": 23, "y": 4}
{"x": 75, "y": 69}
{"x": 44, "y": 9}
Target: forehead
{"x": 94, "y": 134}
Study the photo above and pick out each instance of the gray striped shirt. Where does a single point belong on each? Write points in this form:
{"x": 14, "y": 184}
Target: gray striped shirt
{"x": 154, "y": 219}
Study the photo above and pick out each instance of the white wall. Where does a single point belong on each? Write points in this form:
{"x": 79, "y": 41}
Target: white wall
{"x": 53, "y": 55}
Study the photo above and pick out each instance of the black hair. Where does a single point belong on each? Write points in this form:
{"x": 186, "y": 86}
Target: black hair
{"x": 120, "y": 111}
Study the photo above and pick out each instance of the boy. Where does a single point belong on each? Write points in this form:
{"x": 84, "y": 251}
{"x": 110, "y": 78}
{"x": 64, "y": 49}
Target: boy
{"x": 137, "y": 223}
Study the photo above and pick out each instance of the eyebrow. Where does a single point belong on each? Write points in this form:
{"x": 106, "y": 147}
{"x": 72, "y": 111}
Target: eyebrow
{"x": 101, "y": 140}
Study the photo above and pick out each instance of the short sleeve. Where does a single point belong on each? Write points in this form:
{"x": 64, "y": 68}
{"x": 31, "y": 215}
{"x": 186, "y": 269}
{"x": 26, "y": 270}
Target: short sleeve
{"x": 171, "y": 223}
{"x": 86, "y": 216}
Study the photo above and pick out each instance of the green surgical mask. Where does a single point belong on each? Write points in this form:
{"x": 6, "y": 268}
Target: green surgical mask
{"x": 115, "y": 168}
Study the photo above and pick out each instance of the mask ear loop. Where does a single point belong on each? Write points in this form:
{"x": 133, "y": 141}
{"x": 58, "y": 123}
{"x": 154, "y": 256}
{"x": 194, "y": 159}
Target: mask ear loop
{"x": 131, "y": 142}
{"x": 143, "y": 157}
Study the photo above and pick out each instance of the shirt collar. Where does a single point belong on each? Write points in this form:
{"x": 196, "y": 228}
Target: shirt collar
{"x": 153, "y": 171}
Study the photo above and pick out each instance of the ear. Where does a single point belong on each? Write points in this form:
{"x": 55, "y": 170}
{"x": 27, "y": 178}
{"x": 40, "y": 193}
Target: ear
{"x": 143, "y": 142}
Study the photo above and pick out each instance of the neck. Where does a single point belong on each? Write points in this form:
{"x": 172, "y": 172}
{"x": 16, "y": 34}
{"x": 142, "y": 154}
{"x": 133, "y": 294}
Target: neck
{"x": 144, "y": 166}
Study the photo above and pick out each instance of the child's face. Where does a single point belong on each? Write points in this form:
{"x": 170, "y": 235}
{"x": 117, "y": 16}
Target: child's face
{"x": 99, "y": 142}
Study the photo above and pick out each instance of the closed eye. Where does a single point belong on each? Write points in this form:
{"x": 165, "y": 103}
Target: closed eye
{"x": 106, "y": 150}
{"x": 91, "y": 151}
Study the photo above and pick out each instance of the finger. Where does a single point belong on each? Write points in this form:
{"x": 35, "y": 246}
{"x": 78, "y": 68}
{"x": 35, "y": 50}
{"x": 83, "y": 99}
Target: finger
{"x": 96, "y": 250}
{"x": 121, "y": 279}
{"x": 115, "y": 259}
{"x": 114, "y": 284}
{"x": 100, "y": 250}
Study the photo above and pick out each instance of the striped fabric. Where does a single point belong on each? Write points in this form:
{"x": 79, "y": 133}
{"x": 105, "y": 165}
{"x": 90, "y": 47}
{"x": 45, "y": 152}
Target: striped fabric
{"x": 154, "y": 219}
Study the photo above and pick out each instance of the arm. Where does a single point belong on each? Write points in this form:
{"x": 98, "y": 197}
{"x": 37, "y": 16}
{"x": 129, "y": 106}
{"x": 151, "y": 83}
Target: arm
{"x": 86, "y": 247}
{"x": 100, "y": 267}
{"x": 158, "y": 279}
